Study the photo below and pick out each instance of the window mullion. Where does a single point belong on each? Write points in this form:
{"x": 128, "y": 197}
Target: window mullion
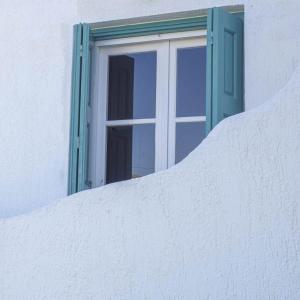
{"x": 162, "y": 95}
{"x": 172, "y": 105}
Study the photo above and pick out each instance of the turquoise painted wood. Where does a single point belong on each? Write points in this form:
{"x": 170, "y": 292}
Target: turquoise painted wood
{"x": 156, "y": 27}
{"x": 209, "y": 71}
{"x": 167, "y": 26}
{"x": 78, "y": 161}
{"x": 83, "y": 182}
{"x": 75, "y": 101}
{"x": 225, "y": 74}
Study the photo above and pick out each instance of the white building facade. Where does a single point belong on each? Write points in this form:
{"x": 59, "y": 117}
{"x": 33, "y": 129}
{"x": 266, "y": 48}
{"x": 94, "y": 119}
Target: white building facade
{"x": 36, "y": 73}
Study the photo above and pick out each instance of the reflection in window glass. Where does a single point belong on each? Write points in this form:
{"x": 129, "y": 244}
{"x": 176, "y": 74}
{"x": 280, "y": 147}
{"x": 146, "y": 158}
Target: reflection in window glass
{"x": 188, "y": 137}
{"x": 130, "y": 152}
{"x": 191, "y": 72}
{"x": 132, "y": 86}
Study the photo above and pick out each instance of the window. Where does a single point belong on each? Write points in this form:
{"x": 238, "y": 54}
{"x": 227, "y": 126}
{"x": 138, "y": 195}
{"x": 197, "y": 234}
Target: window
{"x": 150, "y": 105}
{"x": 145, "y": 94}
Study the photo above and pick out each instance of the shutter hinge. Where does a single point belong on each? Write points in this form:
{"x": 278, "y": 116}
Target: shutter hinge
{"x": 81, "y": 50}
{"x": 78, "y": 142}
{"x": 211, "y": 38}
{"x": 88, "y": 183}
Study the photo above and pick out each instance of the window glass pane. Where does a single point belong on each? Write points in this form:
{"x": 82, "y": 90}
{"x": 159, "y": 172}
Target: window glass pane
{"x": 188, "y": 137}
{"x": 132, "y": 86}
{"x": 130, "y": 152}
{"x": 190, "y": 91}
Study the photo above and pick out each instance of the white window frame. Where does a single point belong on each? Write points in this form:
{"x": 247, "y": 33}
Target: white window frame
{"x": 152, "y": 38}
{"x": 165, "y": 120}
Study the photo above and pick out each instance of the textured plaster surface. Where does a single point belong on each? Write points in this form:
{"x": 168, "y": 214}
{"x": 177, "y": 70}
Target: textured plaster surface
{"x": 35, "y": 77}
{"x": 222, "y": 224}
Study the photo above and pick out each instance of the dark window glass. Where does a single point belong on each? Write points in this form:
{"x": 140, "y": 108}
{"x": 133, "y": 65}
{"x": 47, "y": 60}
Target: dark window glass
{"x": 188, "y": 137}
{"x": 130, "y": 152}
{"x": 191, "y": 72}
{"x": 132, "y": 86}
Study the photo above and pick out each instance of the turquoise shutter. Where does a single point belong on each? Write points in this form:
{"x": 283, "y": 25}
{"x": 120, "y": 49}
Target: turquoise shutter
{"x": 79, "y": 132}
{"x": 225, "y": 65}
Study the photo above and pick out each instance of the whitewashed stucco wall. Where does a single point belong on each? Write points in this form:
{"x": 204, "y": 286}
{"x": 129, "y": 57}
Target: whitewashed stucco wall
{"x": 35, "y": 51}
{"x": 223, "y": 224}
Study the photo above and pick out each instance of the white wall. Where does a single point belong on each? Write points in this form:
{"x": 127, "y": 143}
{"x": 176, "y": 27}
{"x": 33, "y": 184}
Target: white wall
{"x": 223, "y": 224}
{"x": 35, "y": 51}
